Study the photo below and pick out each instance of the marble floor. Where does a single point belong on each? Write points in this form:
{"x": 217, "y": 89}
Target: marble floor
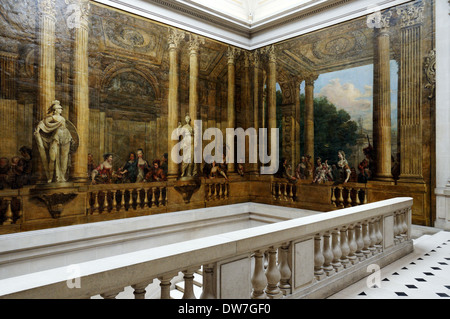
{"x": 423, "y": 274}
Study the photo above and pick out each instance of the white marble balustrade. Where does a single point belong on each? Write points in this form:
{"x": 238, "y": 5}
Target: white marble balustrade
{"x": 311, "y": 256}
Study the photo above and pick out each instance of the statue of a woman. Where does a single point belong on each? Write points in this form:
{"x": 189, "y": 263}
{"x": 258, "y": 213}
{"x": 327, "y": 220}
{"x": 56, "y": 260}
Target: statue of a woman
{"x": 54, "y": 142}
{"x": 188, "y": 168}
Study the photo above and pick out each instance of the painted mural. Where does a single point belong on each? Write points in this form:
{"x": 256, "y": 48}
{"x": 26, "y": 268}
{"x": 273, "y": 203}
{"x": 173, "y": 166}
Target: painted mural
{"x": 354, "y": 102}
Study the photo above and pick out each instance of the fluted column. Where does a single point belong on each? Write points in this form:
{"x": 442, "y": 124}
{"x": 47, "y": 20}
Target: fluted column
{"x": 81, "y": 86}
{"x": 410, "y": 93}
{"x": 231, "y": 112}
{"x": 256, "y": 100}
{"x": 271, "y": 95}
{"x": 174, "y": 39}
{"x": 194, "y": 45}
{"x": 297, "y": 141}
{"x": 309, "y": 116}
{"x": 46, "y": 72}
{"x": 382, "y": 100}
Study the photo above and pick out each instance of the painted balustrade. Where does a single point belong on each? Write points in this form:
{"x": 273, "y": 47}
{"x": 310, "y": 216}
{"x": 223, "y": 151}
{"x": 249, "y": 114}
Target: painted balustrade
{"x": 306, "y": 257}
{"x": 10, "y": 210}
{"x": 348, "y": 195}
{"x": 283, "y": 191}
{"x": 216, "y": 189}
{"x": 111, "y": 198}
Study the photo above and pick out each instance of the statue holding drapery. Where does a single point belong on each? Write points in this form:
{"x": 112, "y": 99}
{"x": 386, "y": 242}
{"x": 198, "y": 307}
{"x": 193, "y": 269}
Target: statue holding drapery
{"x": 56, "y": 138}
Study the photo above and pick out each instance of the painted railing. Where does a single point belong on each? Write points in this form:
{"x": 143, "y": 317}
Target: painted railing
{"x": 312, "y": 256}
{"x": 284, "y": 191}
{"x": 10, "y": 208}
{"x": 112, "y": 198}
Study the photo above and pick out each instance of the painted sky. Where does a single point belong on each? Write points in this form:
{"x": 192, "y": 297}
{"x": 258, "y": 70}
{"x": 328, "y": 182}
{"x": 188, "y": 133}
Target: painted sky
{"x": 352, "y": 91}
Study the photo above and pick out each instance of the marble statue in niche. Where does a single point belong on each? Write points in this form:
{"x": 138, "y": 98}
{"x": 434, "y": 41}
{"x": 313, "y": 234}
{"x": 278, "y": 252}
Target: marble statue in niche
{"x": 55, "y": 141}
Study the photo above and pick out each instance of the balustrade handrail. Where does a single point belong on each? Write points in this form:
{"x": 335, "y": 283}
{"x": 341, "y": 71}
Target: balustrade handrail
{"x": 112, "y": 273}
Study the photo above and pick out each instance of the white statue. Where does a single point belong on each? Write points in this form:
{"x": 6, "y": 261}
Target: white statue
{"x": 54, "y": 142}
{"x": 188, "y": 167}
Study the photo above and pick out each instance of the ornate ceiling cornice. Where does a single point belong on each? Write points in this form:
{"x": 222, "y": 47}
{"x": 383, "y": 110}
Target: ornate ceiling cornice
{"x": 231, "y": 30}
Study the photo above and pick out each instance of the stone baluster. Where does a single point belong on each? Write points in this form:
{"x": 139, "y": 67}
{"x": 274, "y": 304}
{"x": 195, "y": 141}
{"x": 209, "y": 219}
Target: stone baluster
{"x": 328, "y": 255}
{"x": 165, "y": 285}
{"x": 209, "y": 195}
{"x": 146, "y": 203}
{"x": 358, "y": 200}
{"x": 285, "y": 192}
{"x": 8, "y": 214}
{"x": 365, "y": 196}
{"x": 220, "y": 190}
{"x": 259, "y": 280}
{"x": 319, "y": 259}
{"x": 349, "y": 197}
{"x": 189, "y": 283}
{"x": 226, "y": 185}
{"x": 273, "y": 275}
{"x": 337, "y": 252}
{"x": 96, "y": 204}
{"x": 153, "y": 196}
{"x": 279, "y": 191}
{"x": 208, "y": 282}
{"x": 345, "y": 248}
{"x": 160, "y": 197}
{"x": 105, "y": 202}
{"x": 122, "y": 201}
{"x": 130, "y": 200}
{"x": 166, "y": 196}
{"x": 291, "y": 192}
{"x": 114, "y": 200}
{"x": 285, "y": 270}
{"x": 111, "y": 294}
{"x": 366, "y": 238}
{"x": 333, "y": 196}
{"x": 138, "y": 199}
{"x": 373, "y": 237}
{"x": 274, "y": 191}
{"x": 359, "y": 242}
{"x": 378, "y": 234}
{"x": 404, "y": 224}
{"x": 352, "y": 245}
{"x": 139, "y": 289}
{"x": 341, "y": 197}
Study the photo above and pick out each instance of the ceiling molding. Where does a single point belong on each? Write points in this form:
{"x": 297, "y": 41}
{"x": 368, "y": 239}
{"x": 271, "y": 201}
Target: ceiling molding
{"x": 298, "y": 20}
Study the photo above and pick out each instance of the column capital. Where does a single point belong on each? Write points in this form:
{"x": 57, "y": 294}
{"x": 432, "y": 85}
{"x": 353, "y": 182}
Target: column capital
{"x": 270, "y": 53}
{"x": 47, "y": 8}
{"x": 194, "y": 43}
{"x": 255, "y": 58}
{"x": 174, "y": 38}
{"x": 380, "y": 21}
{"x": 232, "y": 54}
{"x": 77, "y": 14}
{"x": 310, "y": 78}
{"x": 411, "y": 15}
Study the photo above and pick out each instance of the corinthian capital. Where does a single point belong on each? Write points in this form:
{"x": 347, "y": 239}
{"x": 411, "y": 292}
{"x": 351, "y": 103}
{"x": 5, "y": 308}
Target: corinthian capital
{"x": 47, "y": 8}
{"x": 378, "y": 20}
{"x": 194, "y": 43}
{"x": 174, "y": 38}
{"x": 77, "y": 14}
{"x": 232, "y": 54}
{"x": 310, "y": 78}
{"x": 411, "y": 15}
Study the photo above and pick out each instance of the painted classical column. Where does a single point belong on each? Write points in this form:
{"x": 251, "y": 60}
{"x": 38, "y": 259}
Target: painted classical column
{"x": 8, "y": 104}
{"x": 231, "y": 111}
{"x": 46, "y": 73}
{"x": 174, "y": 39}
{"x": 79, "y": 20}
{"x": 296, "y": 141}
{"x": 271, "y": 95}
{"x": 309, "y": 115}
{"x": 382, "y": 100}
{"x": 410, "y": 93}
{"x": 256, "y": 101}
{"x": 194, "y": 44}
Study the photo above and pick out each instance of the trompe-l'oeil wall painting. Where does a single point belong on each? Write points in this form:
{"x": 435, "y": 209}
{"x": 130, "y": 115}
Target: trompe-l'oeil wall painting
{"x": 353, "y": 103}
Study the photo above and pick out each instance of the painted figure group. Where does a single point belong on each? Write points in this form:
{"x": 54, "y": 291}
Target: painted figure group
{"x": 135, "y": 170}
{"x": 320, "y": 173}
{"x": 16, "y": 173}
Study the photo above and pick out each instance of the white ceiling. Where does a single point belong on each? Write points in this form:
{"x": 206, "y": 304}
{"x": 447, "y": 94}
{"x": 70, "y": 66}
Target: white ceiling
{"x": 251, "y": 24}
